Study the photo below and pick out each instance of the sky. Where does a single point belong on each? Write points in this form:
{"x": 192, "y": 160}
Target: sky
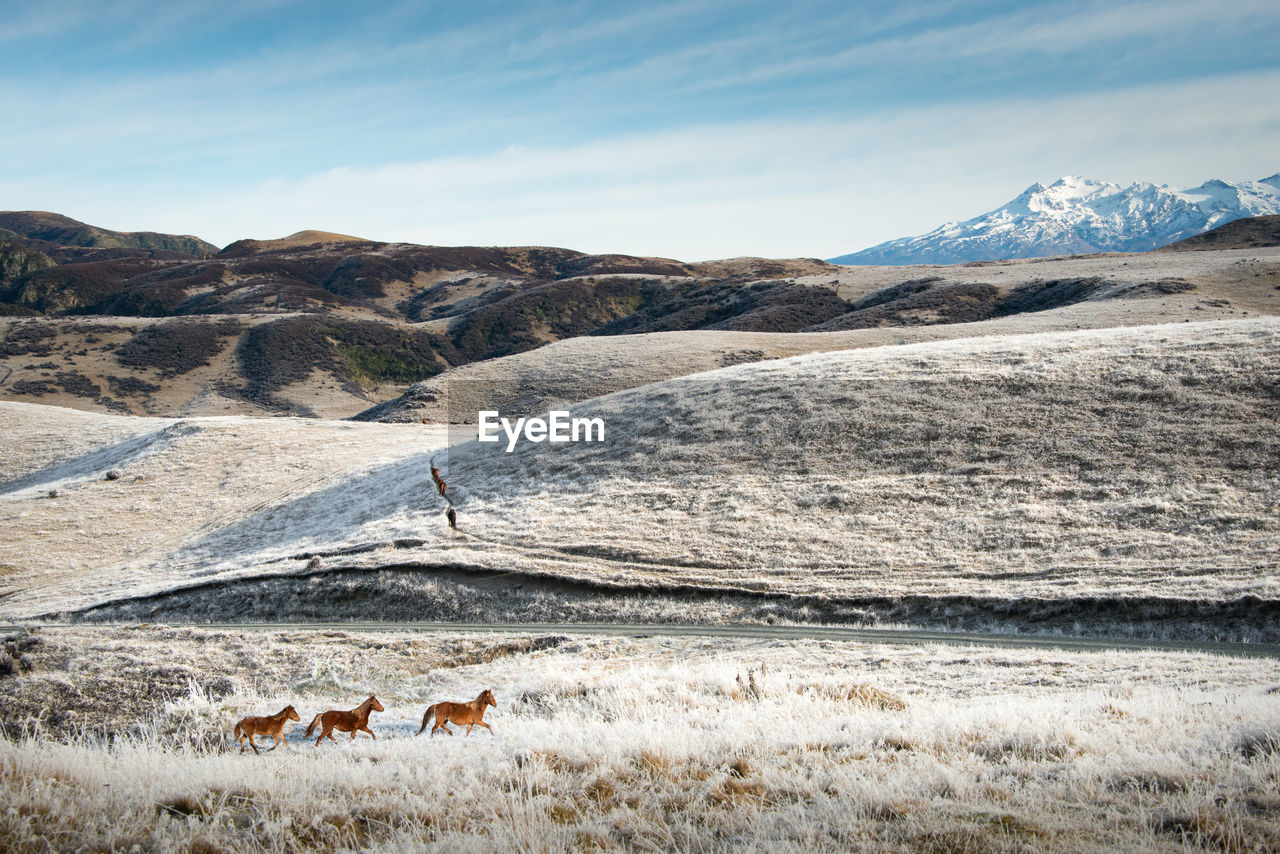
{"x": 694, "y": 130}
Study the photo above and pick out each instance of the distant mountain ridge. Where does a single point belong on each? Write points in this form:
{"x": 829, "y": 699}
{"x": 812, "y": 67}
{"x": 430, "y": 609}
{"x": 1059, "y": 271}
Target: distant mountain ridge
{"x": 1076, "y": 216}
{"x": 43, "y": 230}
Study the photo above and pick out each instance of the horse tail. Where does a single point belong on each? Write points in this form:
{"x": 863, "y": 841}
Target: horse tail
{"x": 431, "y": 710}
{"x": 311, "y": 726}
{"x": 237, "y": 732}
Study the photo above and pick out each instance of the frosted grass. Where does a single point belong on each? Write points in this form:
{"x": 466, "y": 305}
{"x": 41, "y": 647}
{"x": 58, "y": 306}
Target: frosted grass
{"x": 624, "y": 744}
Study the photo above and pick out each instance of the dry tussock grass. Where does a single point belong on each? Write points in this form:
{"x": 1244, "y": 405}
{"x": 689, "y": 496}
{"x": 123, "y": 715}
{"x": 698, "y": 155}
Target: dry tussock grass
{"x": 863, "y": 694}
{"x": 657, "y": 755}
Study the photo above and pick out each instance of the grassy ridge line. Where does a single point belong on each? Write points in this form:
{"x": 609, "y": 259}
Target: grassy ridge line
{"x": 779, "y": 632}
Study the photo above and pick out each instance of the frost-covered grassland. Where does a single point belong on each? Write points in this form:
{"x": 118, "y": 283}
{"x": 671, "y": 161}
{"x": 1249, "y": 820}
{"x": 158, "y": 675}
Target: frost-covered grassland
{"x": 1064, "y": 472}
{"x": 680, "y": 744}
{"x": 1040, "y": 465}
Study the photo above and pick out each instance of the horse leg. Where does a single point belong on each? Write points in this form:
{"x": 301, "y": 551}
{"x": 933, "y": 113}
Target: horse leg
{"x": 366, "y": 729}
{"x": 468, "y": 732}
{"x": 486, "y": 726}
{"x": 254, "y": 746}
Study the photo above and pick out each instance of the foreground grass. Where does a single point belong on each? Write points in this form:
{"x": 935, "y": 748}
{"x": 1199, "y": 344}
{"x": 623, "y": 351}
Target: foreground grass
{"x": 636, "y": 744}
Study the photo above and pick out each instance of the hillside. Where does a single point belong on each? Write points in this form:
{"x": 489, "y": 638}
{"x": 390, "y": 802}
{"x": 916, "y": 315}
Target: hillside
{"x": 315, "y": 323}
{"x": 1254, "y": 232}
{"x": 328, "y": 325}
{"x": 16, "y": 261}
{"x": 1034, "y": 482}
{"x": 44, "y": 229}
{"x": 899, "y": 305}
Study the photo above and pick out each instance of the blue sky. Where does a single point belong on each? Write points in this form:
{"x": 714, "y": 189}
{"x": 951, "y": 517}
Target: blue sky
{"x": 697, "y": 129}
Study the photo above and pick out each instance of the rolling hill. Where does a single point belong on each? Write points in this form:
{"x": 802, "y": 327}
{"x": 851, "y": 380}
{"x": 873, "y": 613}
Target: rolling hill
{"x": 1104, "y": 480}
{"x": 319, "y": 323}
{"x": 70, "y": 239}
{"x": 899, "y": 305}
{"x": 1254, "y": 232}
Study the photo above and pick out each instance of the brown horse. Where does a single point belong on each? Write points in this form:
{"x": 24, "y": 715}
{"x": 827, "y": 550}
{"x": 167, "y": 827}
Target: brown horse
{"x": 435, "y": 475}
{"x": 471, "y": 714}
{"x": 353, "y": 721}
{"x": 272, "y": 726}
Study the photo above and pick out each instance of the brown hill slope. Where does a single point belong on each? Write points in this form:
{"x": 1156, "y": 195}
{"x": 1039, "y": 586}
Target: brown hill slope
{"x": 16, "y": 261}
{"x": 63, "y": 231}
{"x": 1239, "y": 234}
{"x": 329, "y": 324}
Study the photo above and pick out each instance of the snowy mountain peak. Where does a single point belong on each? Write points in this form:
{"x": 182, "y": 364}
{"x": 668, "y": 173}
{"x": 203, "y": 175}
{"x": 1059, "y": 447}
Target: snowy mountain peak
{"x": 1076, "y": 215}
{"x": 1077, "y": 186}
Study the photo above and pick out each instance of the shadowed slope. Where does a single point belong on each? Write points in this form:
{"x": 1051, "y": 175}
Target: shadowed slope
{"x": 1247, "y": 233}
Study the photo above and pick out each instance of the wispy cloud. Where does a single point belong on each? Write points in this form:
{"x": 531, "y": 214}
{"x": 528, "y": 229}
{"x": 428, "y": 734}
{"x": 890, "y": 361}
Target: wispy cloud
{"x": 759, "y": 188}
{"x": 683, "y": 128}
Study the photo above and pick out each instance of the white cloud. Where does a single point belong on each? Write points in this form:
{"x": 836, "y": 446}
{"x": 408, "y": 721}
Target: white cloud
{"x": 816, "y": 188}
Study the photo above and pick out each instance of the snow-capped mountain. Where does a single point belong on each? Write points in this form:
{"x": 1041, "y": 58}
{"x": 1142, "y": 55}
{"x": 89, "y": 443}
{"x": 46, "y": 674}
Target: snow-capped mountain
{"x": 1075, "y": 215}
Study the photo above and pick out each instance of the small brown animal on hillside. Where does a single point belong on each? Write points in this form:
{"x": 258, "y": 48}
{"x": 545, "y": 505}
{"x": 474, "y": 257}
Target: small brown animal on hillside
{"x": 452, "y": 516}
{"x": 273, "y": 726}
{"x": 471, "y": 714}
{"x": 353, "y": 721}
{"x": 435, "y": 475}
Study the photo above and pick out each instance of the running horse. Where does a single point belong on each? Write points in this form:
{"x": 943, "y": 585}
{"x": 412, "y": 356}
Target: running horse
{"x": 272, "y": 725}
{"x": 353, "y": 721}
{"x": 471, "y": 714}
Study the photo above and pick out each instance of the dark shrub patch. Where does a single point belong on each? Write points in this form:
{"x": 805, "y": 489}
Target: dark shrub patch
{"x": 28, "y": 339}
{"x": 916, "y": 303}
{"x": 11, "y": 310}
{"x": 897, "y": 292}
{"x": 162, "y": 292}
{"x": 127, "y": 386}
{"x": 76, "y": 288}
{"x": 528, "y": 318}
{"x": 176, "y": 347}
{"x": 33, "y": 387}
{"x": 761, "y": 307}
{"x": 274, "y": 355}
{"x": 779, "y": 307}
{"x": 1172, "y": 286}
{"x": 1043, "y": 296}
{"x": 74, "y": 382}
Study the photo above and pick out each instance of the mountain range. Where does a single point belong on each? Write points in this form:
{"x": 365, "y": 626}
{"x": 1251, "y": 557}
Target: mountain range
{"x": 1076, "y": 216}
